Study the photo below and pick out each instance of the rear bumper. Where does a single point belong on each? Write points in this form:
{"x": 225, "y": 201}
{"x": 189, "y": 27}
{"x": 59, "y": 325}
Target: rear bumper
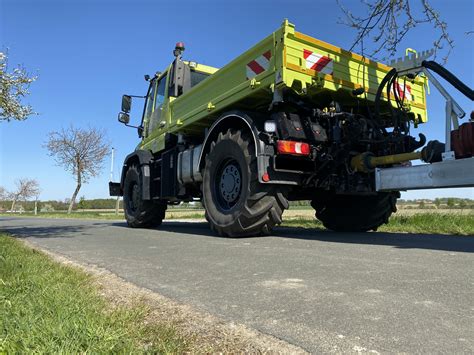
{"x": 448, "y": 173}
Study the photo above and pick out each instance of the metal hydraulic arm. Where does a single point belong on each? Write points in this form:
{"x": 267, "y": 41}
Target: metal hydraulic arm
{"x": 444, "y": 169}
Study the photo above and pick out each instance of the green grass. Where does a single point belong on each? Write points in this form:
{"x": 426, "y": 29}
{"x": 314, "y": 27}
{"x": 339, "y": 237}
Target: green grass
{"x": 432, "y": 223}
{"x": 425, "y": 223}
{"x": 189, "y": 215}
{"x": 46, "y": 307}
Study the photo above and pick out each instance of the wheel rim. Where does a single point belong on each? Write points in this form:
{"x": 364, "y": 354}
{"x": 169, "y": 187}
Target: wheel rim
{"x": 134, "y": 197}
{"x": 228, "y": 184}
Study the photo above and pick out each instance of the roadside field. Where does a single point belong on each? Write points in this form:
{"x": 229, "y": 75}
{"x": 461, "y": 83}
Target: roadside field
{"x": 417, "y": 224}
{"x": 309, "y": 212}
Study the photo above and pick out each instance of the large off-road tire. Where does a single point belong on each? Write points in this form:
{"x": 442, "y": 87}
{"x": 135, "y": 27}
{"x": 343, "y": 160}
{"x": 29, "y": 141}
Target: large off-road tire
{"x": 236, "y": 204}
{"x": 352, "y": 213}
{"x": 140, "y": 213}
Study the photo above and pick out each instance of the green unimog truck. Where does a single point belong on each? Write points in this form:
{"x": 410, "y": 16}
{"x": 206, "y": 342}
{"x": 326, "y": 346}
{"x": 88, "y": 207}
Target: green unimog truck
{"x": 293, "y": 118}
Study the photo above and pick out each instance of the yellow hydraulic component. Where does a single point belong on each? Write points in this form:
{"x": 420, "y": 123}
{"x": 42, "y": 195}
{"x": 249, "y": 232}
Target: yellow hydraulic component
{"x": 394, "y": 159}
{"x": 365, "y": 162}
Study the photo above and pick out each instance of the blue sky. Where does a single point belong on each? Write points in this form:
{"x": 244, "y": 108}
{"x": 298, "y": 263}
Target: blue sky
{"x": 88, "y": 53}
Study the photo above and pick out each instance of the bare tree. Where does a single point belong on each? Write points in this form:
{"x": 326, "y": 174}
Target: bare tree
{"x": 14, "y": 86}
{"x": 387, "y": 22}
{"x": 79, "y": 151}
{"x": 25, "y": 189}
{"x": 3, "y": 193}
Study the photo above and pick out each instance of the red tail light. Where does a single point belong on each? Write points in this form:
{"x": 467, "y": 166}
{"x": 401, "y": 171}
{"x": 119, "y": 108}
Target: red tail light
{"x": 294, "y": 148}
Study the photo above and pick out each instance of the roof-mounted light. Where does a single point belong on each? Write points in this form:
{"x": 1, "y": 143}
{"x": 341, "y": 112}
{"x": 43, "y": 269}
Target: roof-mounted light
{"x": 178, "y": 49}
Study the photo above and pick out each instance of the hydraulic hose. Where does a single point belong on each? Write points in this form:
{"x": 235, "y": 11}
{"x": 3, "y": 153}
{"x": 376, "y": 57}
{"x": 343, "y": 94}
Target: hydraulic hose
{"x": 449, "y": 77}
{"x": 378, "y": 95}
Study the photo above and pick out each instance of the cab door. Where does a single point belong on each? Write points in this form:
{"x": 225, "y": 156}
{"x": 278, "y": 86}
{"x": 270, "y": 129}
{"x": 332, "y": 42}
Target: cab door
{"x": 158, "y": 119}
{"x": 155, "y": 116}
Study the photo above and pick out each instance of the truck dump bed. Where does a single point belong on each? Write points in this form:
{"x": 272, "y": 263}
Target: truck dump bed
{"x": 289, "y": 60}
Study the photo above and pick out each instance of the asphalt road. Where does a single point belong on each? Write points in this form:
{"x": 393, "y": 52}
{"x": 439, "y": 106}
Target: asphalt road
{"x": 319, "y": 290}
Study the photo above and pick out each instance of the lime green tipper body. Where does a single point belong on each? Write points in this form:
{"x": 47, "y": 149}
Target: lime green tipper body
{"x": 286, "y": 59}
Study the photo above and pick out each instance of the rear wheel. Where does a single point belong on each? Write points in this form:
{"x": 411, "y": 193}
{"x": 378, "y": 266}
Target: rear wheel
{"x": 351, "y": 213}
{"x": 140, "y": 213}
{"x": 236, "y": 203}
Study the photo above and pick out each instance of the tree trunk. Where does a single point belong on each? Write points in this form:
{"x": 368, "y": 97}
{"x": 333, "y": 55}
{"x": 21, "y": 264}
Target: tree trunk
{"x": 78, "y": 187}
{"x": 13, "y": 204}
{"x": 73, "y": 198}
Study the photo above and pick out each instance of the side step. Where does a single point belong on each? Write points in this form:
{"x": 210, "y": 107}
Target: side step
{"x": 447, "y": 173}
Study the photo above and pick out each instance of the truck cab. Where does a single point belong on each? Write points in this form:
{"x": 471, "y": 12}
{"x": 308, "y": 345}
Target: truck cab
{"x": 164, "y": 88}
{"x": 156, "y": 112}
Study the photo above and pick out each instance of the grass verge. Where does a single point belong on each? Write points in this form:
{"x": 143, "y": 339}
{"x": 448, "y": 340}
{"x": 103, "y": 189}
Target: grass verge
{"x": 425, "y": 223}
{"x": 432, "y": 223}
{"x": 46, "y": 307}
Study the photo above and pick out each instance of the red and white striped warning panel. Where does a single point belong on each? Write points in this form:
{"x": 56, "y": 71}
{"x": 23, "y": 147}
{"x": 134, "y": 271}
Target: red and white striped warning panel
{"x": 403, "y": 90}
{"x": 258, "y": 65}
{"x": 318, "y": 62}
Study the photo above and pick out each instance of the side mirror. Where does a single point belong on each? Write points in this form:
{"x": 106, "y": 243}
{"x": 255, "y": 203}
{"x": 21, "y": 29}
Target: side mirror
{"x": 124, "y": 118}
{"x": 126, "y": 103}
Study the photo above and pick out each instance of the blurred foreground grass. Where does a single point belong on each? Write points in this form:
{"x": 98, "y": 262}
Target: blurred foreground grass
{"x": 46, "y": 307}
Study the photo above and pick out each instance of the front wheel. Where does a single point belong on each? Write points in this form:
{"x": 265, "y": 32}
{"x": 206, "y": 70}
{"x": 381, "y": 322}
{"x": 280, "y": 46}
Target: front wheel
{"x": 140, "y": 213}
{"x": 236, "y": 204}
{"x": 352, "y": 213}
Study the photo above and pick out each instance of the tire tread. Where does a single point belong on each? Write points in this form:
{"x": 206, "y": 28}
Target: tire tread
{"x": 347, "y": 213}
{"x": 264, "y": 205}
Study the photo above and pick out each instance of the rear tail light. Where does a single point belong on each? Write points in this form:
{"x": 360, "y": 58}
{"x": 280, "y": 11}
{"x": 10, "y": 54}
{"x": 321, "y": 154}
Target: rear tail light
{"x": 294, "y": 148}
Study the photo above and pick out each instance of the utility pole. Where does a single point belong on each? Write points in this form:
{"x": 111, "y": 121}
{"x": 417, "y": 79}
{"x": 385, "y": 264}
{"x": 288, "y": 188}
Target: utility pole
{"x": 117, "y": 203}
{"x": 36, "y": 205}
{"x": 112, "y": 165}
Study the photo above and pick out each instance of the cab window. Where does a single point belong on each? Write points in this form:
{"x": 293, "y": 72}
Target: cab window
{"x": 155, "y": 116}
{"x": 160, "y": 92}
{"x": 149, "y": 101}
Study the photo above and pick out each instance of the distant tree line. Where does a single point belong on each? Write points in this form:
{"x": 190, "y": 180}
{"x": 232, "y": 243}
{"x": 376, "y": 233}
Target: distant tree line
{"x": 446, "y": 202}
{"x": 52, "y": 205}
{"x": 97, "y": 204}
